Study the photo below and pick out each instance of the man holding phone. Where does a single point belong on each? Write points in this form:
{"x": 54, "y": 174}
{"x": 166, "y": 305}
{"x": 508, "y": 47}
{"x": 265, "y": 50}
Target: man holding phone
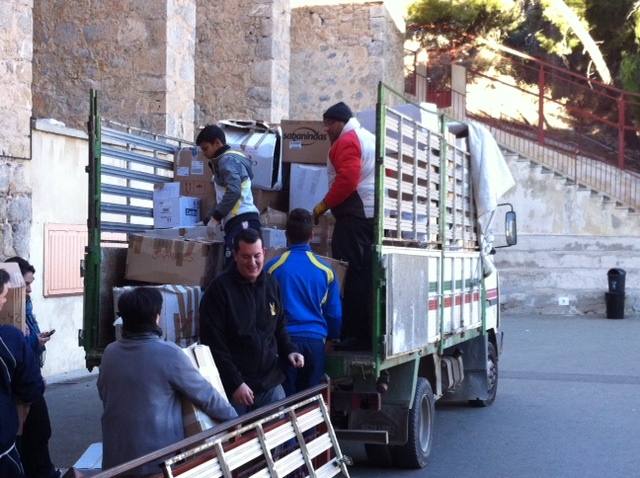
{"x": 34, "y": 442}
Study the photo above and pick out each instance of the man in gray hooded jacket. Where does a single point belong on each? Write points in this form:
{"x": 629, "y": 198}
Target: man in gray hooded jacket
{"x": 232, "y": 175}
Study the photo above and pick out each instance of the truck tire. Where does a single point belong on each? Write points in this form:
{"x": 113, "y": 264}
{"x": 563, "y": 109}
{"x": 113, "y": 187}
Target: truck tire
{"x": 379, "y": 455}
{"x": 416, "y": 451}
{"x": 492, "y": 378}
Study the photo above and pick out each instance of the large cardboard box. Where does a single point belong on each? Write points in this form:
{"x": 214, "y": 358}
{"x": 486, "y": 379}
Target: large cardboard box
{"x": 308, "y": 186}
{"x": 272, "y": 238}
{"x": 194, "y": 419}
{"x": 322, "y": 233}
{"x": 192, "y": 172}
{"x": 180, "y": 315}
{"x": 304, "y": 142}
{"x": 264, "y": 200}
{"x": 173, "y": 260}
{"x": 262, "y": 144}
{"x": 14, "y": 311}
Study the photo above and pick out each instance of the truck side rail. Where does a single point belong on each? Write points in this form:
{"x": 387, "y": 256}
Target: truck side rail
{"x": 273, "y": 441}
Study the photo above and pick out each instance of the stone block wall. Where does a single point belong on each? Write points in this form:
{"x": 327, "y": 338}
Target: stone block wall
{"x": 127, "y": 50}
{"x": 16, "y": 50}
{"x": 340, "y": 53}
{"x": 242, "y": 60}
{"x": 15, "y": 210}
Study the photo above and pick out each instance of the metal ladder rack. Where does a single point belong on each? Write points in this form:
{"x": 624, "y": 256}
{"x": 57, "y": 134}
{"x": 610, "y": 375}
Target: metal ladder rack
{"x": 297, "y": 440}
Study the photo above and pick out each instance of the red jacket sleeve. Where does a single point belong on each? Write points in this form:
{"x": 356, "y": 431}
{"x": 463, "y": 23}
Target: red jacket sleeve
{"x": 346, "y": 158}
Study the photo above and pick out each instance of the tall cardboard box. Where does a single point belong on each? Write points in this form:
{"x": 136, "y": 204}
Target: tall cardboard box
{"x": 304, "y": 142}
{"x": 192, "y": 172}
{"x": 180, "y": 315}
{"x": 173, "y": 260}
{"x": 194, "y": 419}
{"x": 14, "y": 311}
{"x": 308, "y": 186}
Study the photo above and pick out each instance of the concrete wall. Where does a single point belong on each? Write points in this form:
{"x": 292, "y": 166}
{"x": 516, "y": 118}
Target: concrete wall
{"x": 57, "y": 177}
{"x": 341, "y": 53}
{"x": 568, "y": 239}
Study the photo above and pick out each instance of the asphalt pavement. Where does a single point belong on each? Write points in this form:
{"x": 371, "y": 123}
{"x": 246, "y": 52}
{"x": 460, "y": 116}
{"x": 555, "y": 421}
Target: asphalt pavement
{"x": 582, "y": 350}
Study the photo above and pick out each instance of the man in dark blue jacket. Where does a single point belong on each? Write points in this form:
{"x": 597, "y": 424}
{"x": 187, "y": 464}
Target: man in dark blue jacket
{"x": 242, "y": 320}
{"x": 312, "y": 305}
{"x": 19, "y": 378}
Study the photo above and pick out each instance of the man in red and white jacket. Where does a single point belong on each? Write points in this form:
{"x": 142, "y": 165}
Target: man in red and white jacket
{"x": 351, "y": 174}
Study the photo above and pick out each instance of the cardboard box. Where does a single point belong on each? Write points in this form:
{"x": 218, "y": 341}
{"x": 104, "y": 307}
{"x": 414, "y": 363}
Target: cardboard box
{"x": 274, "y": 219}
{"x": 262, "y": 144}
{"x": 179, "y": 260}
{"x": 194, "y": 419}
{"x": 14, "y": 311}
{"x": 322, "y": 233}
{"x": 180, "y": 316}
{"x": 304, "y": 142}
{"x": 192, "y": 172}
{"x": 176, "y": 212}
{"x": 273, "y": 238}
{"x": 264, "y": 200}
{"x": 308, "y": 186}
{"x": 170, "y": 209}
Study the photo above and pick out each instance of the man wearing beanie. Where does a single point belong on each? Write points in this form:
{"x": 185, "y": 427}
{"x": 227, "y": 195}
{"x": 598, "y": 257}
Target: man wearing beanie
{"x": 351, "y": 174}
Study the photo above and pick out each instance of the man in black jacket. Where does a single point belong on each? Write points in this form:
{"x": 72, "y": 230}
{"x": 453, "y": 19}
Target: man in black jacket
{"x": 242, "y": 320}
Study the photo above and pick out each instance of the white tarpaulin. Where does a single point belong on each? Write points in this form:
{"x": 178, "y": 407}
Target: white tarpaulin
{"x": 491, "y": 179}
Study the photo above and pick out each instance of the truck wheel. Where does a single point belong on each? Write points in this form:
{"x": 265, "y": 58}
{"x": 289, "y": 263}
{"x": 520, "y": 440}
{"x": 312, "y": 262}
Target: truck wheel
{"x": 379, "y": 455}
{"x": 415, "y": 452}
{"x": 492, "y": 378}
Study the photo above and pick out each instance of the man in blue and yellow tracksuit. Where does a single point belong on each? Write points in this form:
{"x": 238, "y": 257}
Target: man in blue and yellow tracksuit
{"x": 311, "y": 297}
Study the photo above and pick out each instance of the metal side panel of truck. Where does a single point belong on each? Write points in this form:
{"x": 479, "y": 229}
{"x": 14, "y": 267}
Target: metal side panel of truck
{"x": 435, "y": 312}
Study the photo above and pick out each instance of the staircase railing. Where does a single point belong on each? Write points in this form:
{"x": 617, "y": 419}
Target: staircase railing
{"x": 579, "y": 127}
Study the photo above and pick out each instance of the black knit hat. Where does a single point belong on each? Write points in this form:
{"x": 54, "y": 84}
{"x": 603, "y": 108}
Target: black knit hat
{"x": 339, "y": 111}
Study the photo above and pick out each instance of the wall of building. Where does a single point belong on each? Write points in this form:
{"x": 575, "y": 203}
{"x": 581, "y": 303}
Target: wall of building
{"x": 242, "y": 60}
{"x": 127, "y": 50}
{"x": 59, "y": 185}
{"x": 341, "y": 53}
{"x": 16, "y": 50}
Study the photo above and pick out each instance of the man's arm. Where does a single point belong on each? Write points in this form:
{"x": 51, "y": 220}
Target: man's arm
{"x": 347, "y": 161}
{"x": 27, "y": 383}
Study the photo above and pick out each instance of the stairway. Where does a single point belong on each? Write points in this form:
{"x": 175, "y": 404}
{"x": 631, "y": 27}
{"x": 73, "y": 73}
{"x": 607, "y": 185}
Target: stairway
{"x": 569, "y": 236}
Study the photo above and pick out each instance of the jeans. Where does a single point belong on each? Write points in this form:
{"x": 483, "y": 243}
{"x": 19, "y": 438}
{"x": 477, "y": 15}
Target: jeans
{"x": 260, "y": 400}
{"x": 298, "y": 379}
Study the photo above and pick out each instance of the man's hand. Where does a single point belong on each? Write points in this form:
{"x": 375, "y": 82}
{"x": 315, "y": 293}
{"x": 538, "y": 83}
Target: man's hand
{"x": 318, "y": 211}
{"x": 243, "y": 395}
{"x": 296, "y": 359}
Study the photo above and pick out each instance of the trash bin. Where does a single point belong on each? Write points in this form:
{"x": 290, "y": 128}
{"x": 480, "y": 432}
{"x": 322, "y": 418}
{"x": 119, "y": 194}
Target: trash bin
{"x": 615, "y": 305}
{"x": 616, "y": 280}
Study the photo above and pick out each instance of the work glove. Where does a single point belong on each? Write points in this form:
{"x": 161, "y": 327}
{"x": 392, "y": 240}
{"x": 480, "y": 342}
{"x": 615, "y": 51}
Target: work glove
{"x": 318, "y": 211}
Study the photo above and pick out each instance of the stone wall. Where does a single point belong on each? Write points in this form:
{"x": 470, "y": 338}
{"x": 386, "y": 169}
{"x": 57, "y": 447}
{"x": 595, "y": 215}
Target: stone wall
{"x": 16, "y": 50}
{"x": 340, "y": 53}
{"x": 15, "y": 209}
{"x": 242, "y": 60}
{"x": 126, "y": 50}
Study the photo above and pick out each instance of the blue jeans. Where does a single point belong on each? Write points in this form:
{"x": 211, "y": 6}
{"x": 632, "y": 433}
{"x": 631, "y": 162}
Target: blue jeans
{"x": 298, "y": 379}
{"x": 260, "y": 400}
